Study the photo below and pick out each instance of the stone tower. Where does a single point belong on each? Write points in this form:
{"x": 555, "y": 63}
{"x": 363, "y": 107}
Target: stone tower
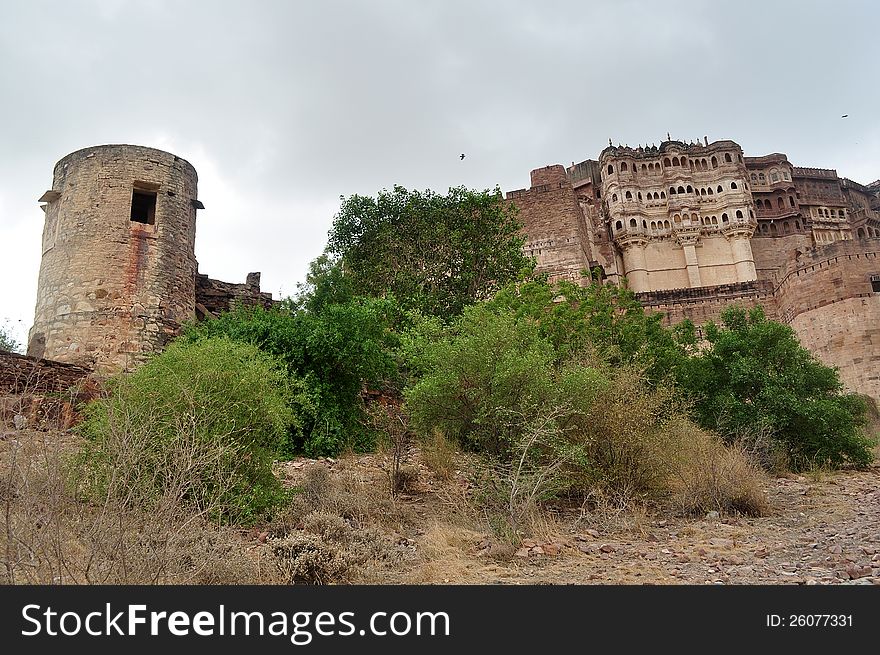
{"x": 117, "y": 276}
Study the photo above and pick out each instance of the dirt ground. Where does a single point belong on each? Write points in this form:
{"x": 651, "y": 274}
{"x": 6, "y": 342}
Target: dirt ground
{"x": 823, "y": 528}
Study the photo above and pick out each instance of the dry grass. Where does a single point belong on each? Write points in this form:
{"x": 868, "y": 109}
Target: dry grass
{"x": 52, "y": 537}
{"x": 713, "y": 477}
{"x": 438, "y": 454}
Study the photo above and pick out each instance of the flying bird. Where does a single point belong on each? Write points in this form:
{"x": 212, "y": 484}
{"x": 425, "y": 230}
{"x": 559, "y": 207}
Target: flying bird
{"x": 845, "y": 115}
{"x": 462, "y": 155}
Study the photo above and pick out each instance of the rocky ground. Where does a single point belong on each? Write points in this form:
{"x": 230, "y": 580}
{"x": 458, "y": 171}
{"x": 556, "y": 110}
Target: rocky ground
{"x": 823, "y": 528}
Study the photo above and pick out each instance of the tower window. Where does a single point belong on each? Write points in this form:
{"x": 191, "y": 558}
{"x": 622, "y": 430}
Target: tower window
{"x": 875, "y": 283}
{"x": 143, "y": 207}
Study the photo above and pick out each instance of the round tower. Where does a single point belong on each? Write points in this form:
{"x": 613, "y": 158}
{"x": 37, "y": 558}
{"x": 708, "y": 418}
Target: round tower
{"x": 117, "y": 276}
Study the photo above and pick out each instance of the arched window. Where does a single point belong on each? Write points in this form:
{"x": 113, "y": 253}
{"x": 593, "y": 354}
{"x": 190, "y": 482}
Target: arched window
{"x": 774, "y": 231}
{"x": 724, "y": 218}
{"x": 754, "y": 178}
{"x": 640, "y": 196}
{"x": 841, "y": 214}
{"x": 860, "y": 233}
{"x": 675, "y": 161}
{"x": 666, "y": 225}
{"x": 739, "y": 214}
{"x": 666, "y": 162}
{"x": 644, "y": 168}
{"x": 780, "y": 204}
{"x": 623, "y": 166}
{"x": 714, "y": 162}
{"x": 786, "y": 227}
{"x": 733, "y": 185}
{"x": 680, "y": 189}
{"x": 728, "y": 158}
{"x": 671, "y": 190}
{"x": 690, "y": 189}
{"x": 645, "y": 224}
{"x": 703, "y": 191}
{"x": 785, "y": 175}
{"x": 720, "y": 190}
{"x": 662, "y": 195}
{"x": 710, "y": 192}
{"x": 797, "y": 225}
{"x": 764, "y": 228}
{"x": 610, "y": 168}
{"x": 705, "y": 165}
{"x": 629, "y": 195}
{"x": 791, "y": 200}
{"x": 618, "y": 226}
{"x": 676, "y": 219}
{"x": 632, "y": 223}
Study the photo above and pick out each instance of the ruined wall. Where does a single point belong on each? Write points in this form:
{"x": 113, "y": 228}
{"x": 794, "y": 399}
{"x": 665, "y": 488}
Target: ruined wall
{"x": 117, "y": 276}
{"x": 214, "y": 297}
{"x": 22, "y": 374}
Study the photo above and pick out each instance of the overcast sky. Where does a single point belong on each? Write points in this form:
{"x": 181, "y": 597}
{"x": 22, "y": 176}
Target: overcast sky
{"x": 283, "y": 106}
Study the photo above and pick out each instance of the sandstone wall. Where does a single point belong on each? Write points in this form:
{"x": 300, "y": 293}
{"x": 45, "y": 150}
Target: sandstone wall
{"x": 554, "y": 225}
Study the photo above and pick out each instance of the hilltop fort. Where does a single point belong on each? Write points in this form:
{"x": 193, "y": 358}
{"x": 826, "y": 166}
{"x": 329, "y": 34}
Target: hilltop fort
{"x": 689, "y": 226}
{"x": 694, "y": 226}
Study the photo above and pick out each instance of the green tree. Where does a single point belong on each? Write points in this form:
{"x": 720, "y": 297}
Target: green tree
{"x": 435, "y": 253}
{"x": 755, "y": 377}
{"x": 335, "y": 351}
{"x": 603, "y": 317}
{"x": 7, "y": 341}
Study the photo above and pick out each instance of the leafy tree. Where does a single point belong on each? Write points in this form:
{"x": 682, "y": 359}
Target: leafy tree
{"x": 756, "y": 377}
{"x": 7, "y": 341}
{"x": 604, "y": 317}
{"x": 335, "y": 351}
{"x": 435, "y": 253}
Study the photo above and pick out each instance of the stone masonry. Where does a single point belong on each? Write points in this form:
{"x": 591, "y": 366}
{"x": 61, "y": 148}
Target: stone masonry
{"x": 692, "y": 227}
{"x": 118, "y": 270}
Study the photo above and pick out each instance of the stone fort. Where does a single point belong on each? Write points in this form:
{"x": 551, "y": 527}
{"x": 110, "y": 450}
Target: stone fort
{"x": 692, "y": 227}
{"x": 689, "y": 226}
{"x": 118, "y": 275}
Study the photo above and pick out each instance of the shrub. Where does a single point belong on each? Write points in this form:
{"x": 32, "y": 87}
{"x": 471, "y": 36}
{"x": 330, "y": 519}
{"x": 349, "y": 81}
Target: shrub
{"x": 334, "y": 351}
{"x": 755, "y": 376}
{"x": 305, "y": 558}
{"x": 713, "y": 477}
{"x": 618, "y": 438}
{"x": 198, "y": 425}
{"x": 491, "y": 371}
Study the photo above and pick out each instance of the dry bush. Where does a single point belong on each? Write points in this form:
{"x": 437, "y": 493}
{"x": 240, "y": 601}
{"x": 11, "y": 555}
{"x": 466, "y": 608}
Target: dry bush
{"x": 304, "y": 558}
{"x": 438, "y": 454}
{"x": 350, "y": 493}
{"x": 618, "y": 443}
{"x": 511, "y": 493}
{"x": 713, "y": 477}
{"x": 51, "y": 537}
